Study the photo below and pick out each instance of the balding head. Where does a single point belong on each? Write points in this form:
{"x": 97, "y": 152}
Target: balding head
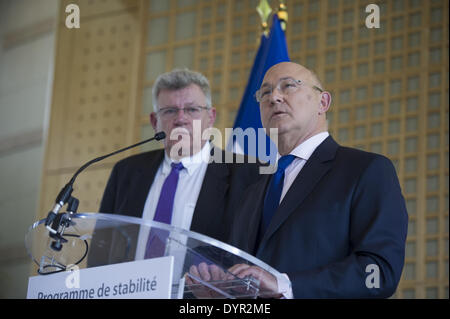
{"x": 295, "y": 68}
{"x": 298, "y": 112}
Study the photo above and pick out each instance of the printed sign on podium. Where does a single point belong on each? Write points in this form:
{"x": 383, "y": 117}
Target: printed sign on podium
{"x": 150, "y": 278}
{"x": 107, "y": 252}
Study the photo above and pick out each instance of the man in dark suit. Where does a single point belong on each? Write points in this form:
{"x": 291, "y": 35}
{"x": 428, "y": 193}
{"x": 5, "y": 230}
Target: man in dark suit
{"x": 332, "y": 219}
{"x": 208, "y": 188}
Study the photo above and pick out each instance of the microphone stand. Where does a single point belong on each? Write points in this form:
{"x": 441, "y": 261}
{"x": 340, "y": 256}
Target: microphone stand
{"x": 56, "y": 222}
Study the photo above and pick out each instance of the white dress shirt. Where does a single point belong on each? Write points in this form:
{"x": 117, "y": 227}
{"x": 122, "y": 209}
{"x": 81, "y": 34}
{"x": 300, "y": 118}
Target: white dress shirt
{"x": 302, "y": 153}
{"x": 188, "y": 188}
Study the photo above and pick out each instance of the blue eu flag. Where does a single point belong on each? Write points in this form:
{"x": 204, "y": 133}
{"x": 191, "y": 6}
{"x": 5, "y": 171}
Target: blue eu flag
{"x": 272, "y": 50}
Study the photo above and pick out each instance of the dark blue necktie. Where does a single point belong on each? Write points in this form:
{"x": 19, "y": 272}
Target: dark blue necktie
{"x": 273, "y": 194}
{"x": 156, "y": 242}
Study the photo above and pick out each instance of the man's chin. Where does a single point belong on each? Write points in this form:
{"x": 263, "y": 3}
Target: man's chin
{"x": 182, "y": 149}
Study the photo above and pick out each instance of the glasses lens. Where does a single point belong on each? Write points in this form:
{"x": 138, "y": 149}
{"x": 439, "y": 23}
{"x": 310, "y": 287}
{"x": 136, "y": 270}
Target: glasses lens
{"x": 193, "y": 111}
{"x": 263, "y": 94}
{"x": 287, "y": 86}
{"x": 169, "y": 112}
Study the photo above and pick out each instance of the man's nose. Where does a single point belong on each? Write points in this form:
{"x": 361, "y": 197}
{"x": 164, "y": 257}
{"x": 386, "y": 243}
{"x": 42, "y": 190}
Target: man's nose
{"x": 182, "y": 116}
{"x": 276, "y": 96}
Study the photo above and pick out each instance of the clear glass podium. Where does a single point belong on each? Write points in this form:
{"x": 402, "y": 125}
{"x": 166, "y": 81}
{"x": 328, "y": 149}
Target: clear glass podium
{"x": 96, "y": 239}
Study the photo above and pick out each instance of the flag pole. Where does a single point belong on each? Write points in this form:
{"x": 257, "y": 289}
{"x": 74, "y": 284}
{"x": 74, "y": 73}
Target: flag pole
{"x": 272, "y": 49}
{"x": 264, "y": 10}
{"x": 283, "y": 14}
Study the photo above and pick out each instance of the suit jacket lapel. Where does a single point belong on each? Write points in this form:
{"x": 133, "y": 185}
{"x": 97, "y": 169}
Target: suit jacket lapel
{"x": 256, "y": 215}
{"x": 315, "y": 168}
{"x": 141, "y": 183}
{"x": 212, "y": 193}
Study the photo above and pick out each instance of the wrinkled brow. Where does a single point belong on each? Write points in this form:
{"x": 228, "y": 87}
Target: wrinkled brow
{"x": 266, "y": 84}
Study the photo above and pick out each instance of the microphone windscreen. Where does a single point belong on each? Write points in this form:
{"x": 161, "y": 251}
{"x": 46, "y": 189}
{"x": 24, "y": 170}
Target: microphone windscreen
{"x": 160, "y": 136}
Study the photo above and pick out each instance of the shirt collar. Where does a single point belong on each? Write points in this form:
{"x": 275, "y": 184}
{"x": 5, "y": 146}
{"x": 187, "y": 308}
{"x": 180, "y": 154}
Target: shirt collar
{"x": 191, "y": 163}
{"x": 305, "y": 149}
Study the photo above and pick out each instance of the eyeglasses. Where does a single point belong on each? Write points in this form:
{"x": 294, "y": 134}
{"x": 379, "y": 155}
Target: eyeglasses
{"x": 191, "y": 111}
{"x": 285, "y": 85}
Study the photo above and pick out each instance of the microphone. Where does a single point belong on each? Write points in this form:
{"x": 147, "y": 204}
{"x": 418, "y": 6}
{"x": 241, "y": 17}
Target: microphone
{"x": 59, "y": 224}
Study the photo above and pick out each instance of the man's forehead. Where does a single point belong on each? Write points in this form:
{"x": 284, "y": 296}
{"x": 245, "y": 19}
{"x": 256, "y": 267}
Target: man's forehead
{"x": 188, "y": 92}
{"x": 268, "y": 83}
{"x": 191, "y": 88}
{"x": 283, "y": 71}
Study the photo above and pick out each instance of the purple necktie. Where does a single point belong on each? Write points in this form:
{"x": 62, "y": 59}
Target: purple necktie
{"x": 156, "y": 242}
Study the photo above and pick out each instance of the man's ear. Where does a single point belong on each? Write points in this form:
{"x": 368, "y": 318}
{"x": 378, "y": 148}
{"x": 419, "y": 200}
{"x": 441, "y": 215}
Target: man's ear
{"x": 325, "y": 102}
{"x": 212, "y": 116}
{"x": 153, "y": 120}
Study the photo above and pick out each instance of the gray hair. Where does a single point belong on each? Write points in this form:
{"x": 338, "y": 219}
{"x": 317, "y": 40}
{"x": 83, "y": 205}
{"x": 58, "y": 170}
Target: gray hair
{"x": 179, "y": 79}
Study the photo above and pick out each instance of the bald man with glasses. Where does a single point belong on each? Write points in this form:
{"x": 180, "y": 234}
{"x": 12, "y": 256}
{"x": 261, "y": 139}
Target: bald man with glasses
{"x": 331, "y": 219}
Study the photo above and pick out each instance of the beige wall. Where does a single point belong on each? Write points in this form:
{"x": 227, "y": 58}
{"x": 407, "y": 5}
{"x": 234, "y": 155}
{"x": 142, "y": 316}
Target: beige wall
{"x": 27, "y": 33}
{"x": 94, "y": 97}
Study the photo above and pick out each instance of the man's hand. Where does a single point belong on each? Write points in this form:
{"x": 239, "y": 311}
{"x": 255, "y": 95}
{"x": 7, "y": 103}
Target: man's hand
{"x": 268, "y": 284}
{"x": 205, "y": 272}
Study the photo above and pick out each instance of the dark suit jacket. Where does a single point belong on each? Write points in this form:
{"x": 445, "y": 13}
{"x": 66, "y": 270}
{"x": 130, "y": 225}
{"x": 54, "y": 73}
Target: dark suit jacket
{"x": 223, "y": 185}
{"x": 343, "y": 212}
